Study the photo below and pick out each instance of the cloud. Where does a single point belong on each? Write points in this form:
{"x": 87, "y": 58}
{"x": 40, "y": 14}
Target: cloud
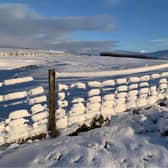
{"x": 142, "y": 51}
{"x": 86, "y": 46}
{"x": 160, "y": 40}
{"x": 21, "y": 26}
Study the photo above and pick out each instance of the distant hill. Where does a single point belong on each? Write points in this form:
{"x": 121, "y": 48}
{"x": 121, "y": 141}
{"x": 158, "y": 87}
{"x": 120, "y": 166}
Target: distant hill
{"x": 162, "y": 54}
{"x": 127, "y": 54}
{"x": 159, "y": 54}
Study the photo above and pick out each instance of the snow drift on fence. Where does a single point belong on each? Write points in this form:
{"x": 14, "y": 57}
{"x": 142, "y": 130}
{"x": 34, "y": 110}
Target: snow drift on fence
{"x": 80, "y": 102}
{"x": 24, "y": 112}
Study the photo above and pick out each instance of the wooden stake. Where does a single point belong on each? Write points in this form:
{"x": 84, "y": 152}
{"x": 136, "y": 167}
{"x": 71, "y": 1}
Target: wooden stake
{"x": 52, "y": 124}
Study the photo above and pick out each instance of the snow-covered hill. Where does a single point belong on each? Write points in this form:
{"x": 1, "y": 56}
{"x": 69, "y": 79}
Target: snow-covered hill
{"x": 137, "y": 138}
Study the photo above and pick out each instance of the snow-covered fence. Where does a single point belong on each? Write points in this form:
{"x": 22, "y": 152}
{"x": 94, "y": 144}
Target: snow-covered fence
{"x": 28, "y": 52}
{"x": 81, "y": 102}
{"x": 23, "y": 108}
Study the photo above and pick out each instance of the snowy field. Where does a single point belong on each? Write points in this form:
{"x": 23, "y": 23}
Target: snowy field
{"x": 132, "y": 139}
{"x": 38, "y": 66}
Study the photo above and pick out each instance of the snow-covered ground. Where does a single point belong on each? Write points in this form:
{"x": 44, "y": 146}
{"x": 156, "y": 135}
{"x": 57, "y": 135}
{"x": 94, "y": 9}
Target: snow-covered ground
{"x": 131, "y": 139}
{"x": 71, "y": 63}
{"x": 38, "y": 66}
{"x": 15, "y": 63}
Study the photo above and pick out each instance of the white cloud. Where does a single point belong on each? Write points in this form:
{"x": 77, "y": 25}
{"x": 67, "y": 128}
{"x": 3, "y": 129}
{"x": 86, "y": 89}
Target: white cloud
{"x": 160, "y": 40}
{"x": 21, "y": 26}
{"x": 142, "y": 51}
{"x": 86, "y": 45}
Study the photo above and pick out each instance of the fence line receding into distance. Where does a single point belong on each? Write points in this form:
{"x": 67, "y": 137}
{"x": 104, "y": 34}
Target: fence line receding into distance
{"x": 82, "y": 101}
{"x": 23, "y": 105}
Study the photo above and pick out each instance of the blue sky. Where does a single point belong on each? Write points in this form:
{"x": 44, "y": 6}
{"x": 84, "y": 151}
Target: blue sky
{"x": 98, "y": 24}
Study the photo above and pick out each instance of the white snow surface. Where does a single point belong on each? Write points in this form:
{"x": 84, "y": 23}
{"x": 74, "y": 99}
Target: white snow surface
{"x": 132, "y": 139}
{"x": 15, "y": 62}
{"x": 129, "y": 140}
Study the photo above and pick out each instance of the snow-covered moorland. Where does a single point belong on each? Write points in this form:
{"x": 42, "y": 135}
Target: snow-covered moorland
{"x": 132, "y": 139}
{"x": 136, "y": 138}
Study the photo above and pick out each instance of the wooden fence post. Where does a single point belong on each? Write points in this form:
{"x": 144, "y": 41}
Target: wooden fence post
{"x": 52, "y": 124}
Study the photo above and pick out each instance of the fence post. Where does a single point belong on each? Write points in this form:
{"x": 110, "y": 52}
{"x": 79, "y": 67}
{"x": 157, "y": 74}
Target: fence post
{"x": 52, "y": 124}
